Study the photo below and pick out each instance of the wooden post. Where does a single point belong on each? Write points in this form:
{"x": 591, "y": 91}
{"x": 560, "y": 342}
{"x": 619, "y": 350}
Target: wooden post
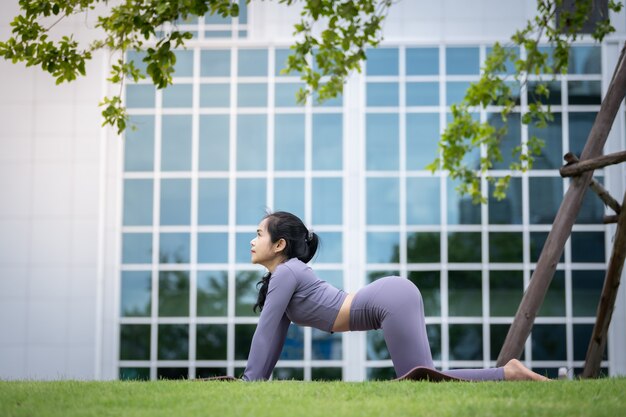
{"x": 607, "y": 300}
{"x": 577, "y": 168}
{"x": 565, "y": 218}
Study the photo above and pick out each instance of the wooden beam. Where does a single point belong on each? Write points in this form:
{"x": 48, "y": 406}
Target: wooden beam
{"x": 610, "y": 219}
{"x": 605, "y": 196}
{"x": 597, "y": 343}
{"x": 577, "y": 168}
{"x": 565, "y": 218}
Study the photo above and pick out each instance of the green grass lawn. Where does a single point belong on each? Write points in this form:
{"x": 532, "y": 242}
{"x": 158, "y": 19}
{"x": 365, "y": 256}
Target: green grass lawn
{"x": 604, "y": 397}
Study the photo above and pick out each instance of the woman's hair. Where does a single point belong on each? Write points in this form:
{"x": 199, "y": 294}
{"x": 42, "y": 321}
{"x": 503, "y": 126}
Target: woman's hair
{"x": 299, "y": 243}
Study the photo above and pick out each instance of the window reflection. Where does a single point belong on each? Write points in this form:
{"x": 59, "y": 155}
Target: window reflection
{"x": 464, "y": 247}
{"x": 586, "y": 291}
{"x": 537, "y": 240}
{"x": 455, "y": 91}
{"x": 252, "y": 95}
{"x": 174, "y": 248}
{"x": 580, "y": 124}
{"x": 140, "y": 95}
{"x": 251, "y": 142}
{"x": 554, "y": 301}
{"x": 546, "y": 195}
{"x": 326, "y": 374}
{"x": 508, "y": 210}
{"x": 246, "y": 292}
{"x": 429, "y": 285}
{"x": 173, "y": 342}
{"x": 293, "y": 349}
{"x": 509, "y": 144}
{"x": 136, "y": 294}
{"x": 331, "y": 248}
{"x": 327, "y": 204}
{"x": 285, "y": 94}
{"x": 465, "y": 293}
{"x": 381, "y": 135}
{"x": 138, "y": 374}
{"x": 214, "y": 95}
{"x": 423, "y": 247}
{"x": 422, "y": 61}
{"x": 213, "y": 201}
{"x": 376, "y": 346}
{"x": 584, "y": 92}
{"x": 212, "y": 293}
{"x": 460, "y": 208}
{"x": 327, "y": 141}
{"x": 326, "y": 346}
{"x": 214, "y": 152}
{"x": 585, "y": 60}
{"x": 466, "y": 342}
{"x": 243, "y": 339}
{"x": 137, "y": 248}
{"x": 184, "y": 63}
{"x": 497, "y": 337}
{"x": 505, "y": 247}
{"x": 505, "y": 292}
{"x": 548, "y": 342}
{"x": 175, "y": 202}
{"x": 289, "y": 195}
{"x": 422, "y": 138}
{"x": 288, "y": 374}
{"x": 211, "y": 341}
{"x": 252, "y": 62}
{"x": 422, "y": 94}
{"x": 139, "y": 144}
{"x": 382, "y": 94}
{"x": 173, "y": 294}
{"x": 134, "y": 342}
{"x": 138, "y": 202}
{"x": 423, "y": 201}
{"x": 251, "y": 201}
{"x": 382, "y": 61}
{"x": 383, "y": 247}
{"x": 383, "y": 196}
{"x": 552, "y": 135}
{"x": 178, "y": 96}
{"x": 554, "y": 92}
{"x": 289, "y": 142}
{"x": 212, "y": 248}
{"x": 587, "y": 247}
{"x": 462, "y": 60}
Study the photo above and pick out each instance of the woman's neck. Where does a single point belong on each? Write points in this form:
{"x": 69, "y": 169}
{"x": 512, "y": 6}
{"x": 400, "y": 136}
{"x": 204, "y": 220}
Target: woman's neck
{"x": 272, "y": 265}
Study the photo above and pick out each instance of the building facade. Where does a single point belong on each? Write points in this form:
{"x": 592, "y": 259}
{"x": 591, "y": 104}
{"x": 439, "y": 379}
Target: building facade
{"x": 155, "y": 282}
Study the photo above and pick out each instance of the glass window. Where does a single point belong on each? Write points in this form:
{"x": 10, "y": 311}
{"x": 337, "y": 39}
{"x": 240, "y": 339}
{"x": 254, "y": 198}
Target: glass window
{"x": 214, "y": 143}
{"x": 178, "y": 96}
{"x": 552, "y": 152}
{"x": 173, "y": 344}
{"x": 139, "y": 144}
{"x": 175, "y": 202}
{"x": 136, "y": 294}
{"x": 422, "y": 94}
{"x": 592, "y": 208}
{"x": 585, "y": 60}
{"x": 172, "y": 373}
{"x": 510, "y": 144}
{"x": 333, "y": 277}
{"x": 508, "y": 210}
{"x": 582, "y": 336}
{"x": 537, "y": 240}
{"x": 423, "y": 201}
{"x": 281, "y": 56}
{"x": 212, "y": 248}
{"x": 382, "y": 134}
{"x": 215, "y": 63}
{"x": 422, "y": 61}
{"x": 140, "y": 95}
{"x": 137, "y": 57}
{"x": 243, "y": 12}
{"x": 289, "y": 142}
{"x": 173, "y": 294}
{"x": 134, "y": 342}
{"x": 251, "y": 142}
{"x": 455, "y": 91}
{"x": 176, "y": 143}
{"x": 243, "y": 339}
{"x": 429, "y": 284}
{"x": 506, "y": 247}
{"x": 554, "y": 302}
{"x": 138, "y": 202}
{"x": 329, "y": 102}
{"x": 242, "y": 247}
{"x": 423, "y": 247}
{"x": 380, "y": 374}
{"x": 382, "y": 94}
{"x": 252, "y": 95}
{"x": 584, "y": 92}
{"x": 136, "y": 248}
{"x": 246, "y": 292}
{"x": 184, "y": 63}
{"x": 497, "y": 337}
{"x": 326, "y": 346}
{"x": 209, "y": 372}
{"x": 174, "y": 248}
{"x": 546, "y": 195}
{"x": 293, "y": 349}
{"x": 460, "y": 208}
{"x": 330, "y": 249}
{"x": 465, "y": 293}
{"x": 506, "y": 289}
{"x": 134, "y": 374}
{"x": 215, "y": 95}
{"x": 286, "y": 94}
{"x": 509, "y": 64}
{"x": 252, "y": 63}
{"x": 327, "y": 141}
{"x": 554, "y": 92}
{"x": 588, "y": 247}
{"x": 327, "y": 204}
{"x": 586, "y": 291}
{"x": 289, "y": 195}
{"x": 374, "y": 275}
{"x": 549, "y": 342}
{"x": 288, "y": 374}
{"x": 462, "y": 61}
{"x": 326, "y": 374}
{"x": 422, "y": 138}
{"x": 382, "y": 61}
{"x": 376, "y": 346}
{"x": 466, "y": 342}
{"x": 212, "y": 298}
{"x": 217, "y": 19}
{"x": 383, "y": 201}
{"x": 211, "y": 341}
{"x": 464, "y": 247}
{"x": 383, "y": 247}
{"x": 251, "y": 200}
{"x": 212, "y": 201}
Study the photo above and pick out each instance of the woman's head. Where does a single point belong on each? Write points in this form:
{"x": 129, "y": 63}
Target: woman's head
{"x": 282, "y": 236}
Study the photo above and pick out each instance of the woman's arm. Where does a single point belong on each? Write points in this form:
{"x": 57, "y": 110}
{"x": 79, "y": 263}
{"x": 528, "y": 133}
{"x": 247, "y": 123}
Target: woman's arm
{"x": 271, "y": 332}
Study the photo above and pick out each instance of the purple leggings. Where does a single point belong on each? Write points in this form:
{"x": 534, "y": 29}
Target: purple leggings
{"x": 395, "y": 305}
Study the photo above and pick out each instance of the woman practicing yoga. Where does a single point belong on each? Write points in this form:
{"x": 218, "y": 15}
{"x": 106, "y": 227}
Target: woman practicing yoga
{"x": 291, "y": 292}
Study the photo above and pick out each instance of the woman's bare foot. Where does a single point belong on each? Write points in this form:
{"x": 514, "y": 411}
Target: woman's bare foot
{"x": 514, "y": 370}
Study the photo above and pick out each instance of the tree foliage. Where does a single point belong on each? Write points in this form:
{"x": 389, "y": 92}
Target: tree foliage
{"x": 331, "y": 41}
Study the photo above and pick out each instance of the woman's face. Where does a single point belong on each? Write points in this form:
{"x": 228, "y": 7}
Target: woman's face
{"x": 263, "y": 251}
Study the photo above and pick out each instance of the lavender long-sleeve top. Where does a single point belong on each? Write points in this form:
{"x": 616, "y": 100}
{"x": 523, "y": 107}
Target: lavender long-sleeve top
{"x": 295, "y": 294}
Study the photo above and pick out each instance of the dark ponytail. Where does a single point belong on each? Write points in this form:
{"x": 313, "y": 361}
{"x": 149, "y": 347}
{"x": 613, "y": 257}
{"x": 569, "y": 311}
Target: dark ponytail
{"x": 299, "y": 243}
